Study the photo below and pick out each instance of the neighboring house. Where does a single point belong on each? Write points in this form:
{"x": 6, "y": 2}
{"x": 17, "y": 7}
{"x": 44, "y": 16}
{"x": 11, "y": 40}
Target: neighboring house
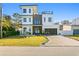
{"x": 70, "y": 28}
{"x": 35, "y": 23}
{"x": 75, "y": 26}
{"x": 66, "y": 29}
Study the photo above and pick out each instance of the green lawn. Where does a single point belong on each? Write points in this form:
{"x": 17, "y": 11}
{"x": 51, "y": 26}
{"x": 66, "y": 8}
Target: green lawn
{"x": 76, "y": 37}
{"x": 23, "y": 41}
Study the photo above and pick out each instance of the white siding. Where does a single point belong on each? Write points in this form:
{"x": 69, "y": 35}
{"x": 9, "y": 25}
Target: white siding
{"x": 52, "y": 26}
{"x": 46, "y": 23}
{"x": 27, "y": 30}
{"x": 27, "y": 17}
{"x": 34, "y": 10}
{"x": 27, "y": 11}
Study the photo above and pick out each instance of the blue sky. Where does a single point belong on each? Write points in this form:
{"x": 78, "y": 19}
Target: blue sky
{"x": 62, "y": 11}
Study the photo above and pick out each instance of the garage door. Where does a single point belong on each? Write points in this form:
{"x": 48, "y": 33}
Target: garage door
{"x": 51, "y": 31}
{"x": 76, "y": 31}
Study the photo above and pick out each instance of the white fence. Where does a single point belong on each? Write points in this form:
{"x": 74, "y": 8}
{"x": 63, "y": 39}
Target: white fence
{"x": 67, "y": 32}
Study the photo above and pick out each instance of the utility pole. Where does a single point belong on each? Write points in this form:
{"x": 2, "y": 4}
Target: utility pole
{"x": 1, "y": 18}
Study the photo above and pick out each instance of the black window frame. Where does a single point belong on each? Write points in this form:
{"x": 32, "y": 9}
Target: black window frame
{"x": 29, "y": 10}
{"x": 44, "y": 19}
{"x": 24, "y": 10}
{"x": 49, "y": 19}
{"x": 29, "y": 19}
{"x": 24, "y": 19}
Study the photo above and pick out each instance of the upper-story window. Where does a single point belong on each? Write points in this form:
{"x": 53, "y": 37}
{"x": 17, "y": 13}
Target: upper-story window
{"x": 29, "y": 10}
{"x": 44, "y": 19}
{"x": 49, "y": 19}
{"x": 24, "y": 10}
{"x": 25, "y": 19}
{"x": 29, "y": 19}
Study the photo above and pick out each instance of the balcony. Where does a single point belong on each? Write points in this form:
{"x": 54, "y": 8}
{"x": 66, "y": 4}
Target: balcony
{"x": 47, "y": 12}
{"x": 37, "y": 20}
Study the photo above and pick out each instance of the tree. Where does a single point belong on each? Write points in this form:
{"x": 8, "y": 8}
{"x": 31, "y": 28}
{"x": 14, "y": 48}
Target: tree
{"x": 7, "y": 26}
{"x": 1, "y": 21}
{"x": 16, "y": 16}
{"x": 17, "y": 20}
{"x": 7, "y": 21}
{"x": 65, "y": 22}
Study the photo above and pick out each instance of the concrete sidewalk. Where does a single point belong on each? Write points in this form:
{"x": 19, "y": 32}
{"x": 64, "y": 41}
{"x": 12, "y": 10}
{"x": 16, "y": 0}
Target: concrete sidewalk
{"x": 39, "y": 51}
{"x": 61, "y": 41}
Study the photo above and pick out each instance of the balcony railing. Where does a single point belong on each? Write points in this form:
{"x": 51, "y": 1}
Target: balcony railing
{"x": 47, "y": 12}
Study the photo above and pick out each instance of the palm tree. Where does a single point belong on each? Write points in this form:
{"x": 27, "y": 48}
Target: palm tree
{"x": 6, "y": 22}
{"x": 16, "y": 16}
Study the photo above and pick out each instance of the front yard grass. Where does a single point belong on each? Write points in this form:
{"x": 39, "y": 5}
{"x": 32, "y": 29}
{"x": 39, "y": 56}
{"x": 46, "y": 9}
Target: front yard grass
{"x": 23, "y": 41}
{"x": 76, "y": 37}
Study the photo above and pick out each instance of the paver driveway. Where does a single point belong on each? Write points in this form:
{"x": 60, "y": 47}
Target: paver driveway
{"x": 61, "y": 41}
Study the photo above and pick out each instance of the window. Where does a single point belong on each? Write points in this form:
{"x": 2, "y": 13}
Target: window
{"x": 24, "y": 10}
{"x": 24, "y": 29}
{"x": 49, "y": 19}
{"x": 29, "y": 10}
{"x": 29, "y": 29}
{"x": 61, "y": 27}
{"x": 29, "y": 19}
{"x": 20, "y": 20}
{"x": 44, "y": 19}
{"x": 36, "y": 21}
{"x": 25, "y": 20}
